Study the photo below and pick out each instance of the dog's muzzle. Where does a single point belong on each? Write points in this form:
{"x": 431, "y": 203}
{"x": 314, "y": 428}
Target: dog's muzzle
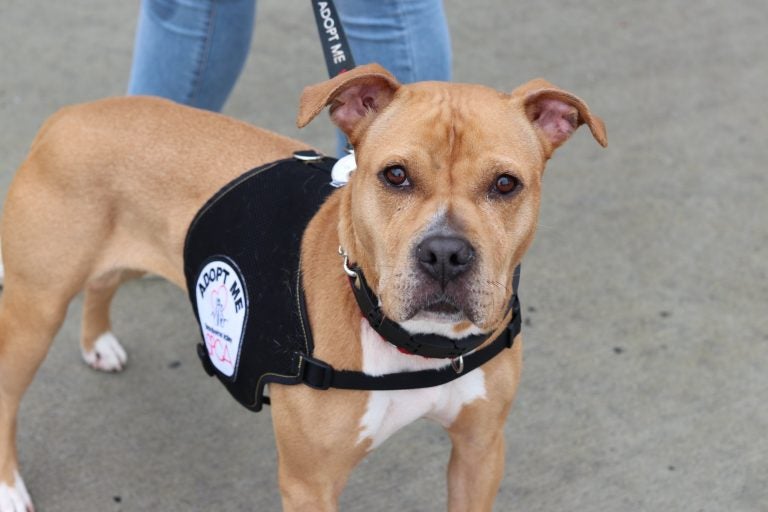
{"x": 427, "y": 345}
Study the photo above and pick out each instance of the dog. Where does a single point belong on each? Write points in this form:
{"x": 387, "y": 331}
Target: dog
{"x": 440, "y": 211}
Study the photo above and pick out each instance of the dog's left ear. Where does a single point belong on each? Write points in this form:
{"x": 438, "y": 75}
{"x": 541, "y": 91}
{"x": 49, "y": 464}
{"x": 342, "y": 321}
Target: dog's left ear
{"x": 352, "y": 95}
{"x": 556, "y": 113}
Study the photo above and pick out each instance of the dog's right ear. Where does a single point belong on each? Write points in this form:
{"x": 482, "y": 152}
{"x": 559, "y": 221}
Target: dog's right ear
{"x": 353, "y": 97}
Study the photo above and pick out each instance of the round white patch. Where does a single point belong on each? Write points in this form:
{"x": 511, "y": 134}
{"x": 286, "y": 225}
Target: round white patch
{"x": 222, "y": 308}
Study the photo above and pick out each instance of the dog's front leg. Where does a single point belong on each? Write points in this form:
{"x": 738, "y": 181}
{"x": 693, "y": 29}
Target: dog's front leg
{"x": 476, "y": 468}
{"x": 477, "y": 459}
{"x": 316, "y": 433}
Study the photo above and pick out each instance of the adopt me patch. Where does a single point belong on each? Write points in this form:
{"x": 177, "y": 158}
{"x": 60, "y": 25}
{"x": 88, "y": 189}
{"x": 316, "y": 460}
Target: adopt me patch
{"x": 222, "y": 307}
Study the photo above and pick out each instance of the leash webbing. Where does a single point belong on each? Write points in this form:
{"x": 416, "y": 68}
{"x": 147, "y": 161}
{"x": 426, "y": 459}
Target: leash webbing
{"x": 336, "y": 50}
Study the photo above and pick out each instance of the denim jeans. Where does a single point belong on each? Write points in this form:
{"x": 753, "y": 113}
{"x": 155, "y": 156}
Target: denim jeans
{"x": 192, "y": 51}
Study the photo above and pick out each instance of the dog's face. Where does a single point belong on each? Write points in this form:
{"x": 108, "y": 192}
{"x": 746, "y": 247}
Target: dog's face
{"x": 445, "y": 202}
{"x": 445, "y": 198}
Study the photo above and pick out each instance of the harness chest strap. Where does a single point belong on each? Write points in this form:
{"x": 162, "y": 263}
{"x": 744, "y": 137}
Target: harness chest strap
{"x": 320, "y": 375}
{"x": 427, "y": 345}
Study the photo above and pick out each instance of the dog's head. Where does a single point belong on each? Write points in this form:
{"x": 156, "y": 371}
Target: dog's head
{"x": 445, "y": 199}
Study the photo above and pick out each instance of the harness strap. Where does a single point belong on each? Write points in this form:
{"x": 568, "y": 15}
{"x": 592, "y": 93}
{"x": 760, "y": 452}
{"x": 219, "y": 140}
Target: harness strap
{"x": 320, "y": 375}
{"x": 427, "y": 345}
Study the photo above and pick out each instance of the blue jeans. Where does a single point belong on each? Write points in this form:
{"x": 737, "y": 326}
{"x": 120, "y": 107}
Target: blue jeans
{"x": 192, "y": 51}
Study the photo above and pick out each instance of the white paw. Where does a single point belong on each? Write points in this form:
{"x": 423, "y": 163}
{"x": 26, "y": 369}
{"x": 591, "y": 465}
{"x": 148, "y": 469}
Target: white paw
{"x": 107, "y": 354}
{"x": 16, "y": 498}
{"x": 2, "y": 272}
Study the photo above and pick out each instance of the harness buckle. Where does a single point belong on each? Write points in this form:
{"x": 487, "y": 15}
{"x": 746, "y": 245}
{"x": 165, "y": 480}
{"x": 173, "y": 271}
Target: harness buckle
{"x": 315, "y": 373}
{"x": 351, "y": 273}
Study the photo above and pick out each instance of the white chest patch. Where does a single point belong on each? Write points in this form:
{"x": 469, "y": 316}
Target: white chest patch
{"x": 389, "y": 411}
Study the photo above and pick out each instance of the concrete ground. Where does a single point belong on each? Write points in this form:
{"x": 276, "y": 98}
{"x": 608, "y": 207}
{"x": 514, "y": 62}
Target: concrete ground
{"x": 645, "y": 382}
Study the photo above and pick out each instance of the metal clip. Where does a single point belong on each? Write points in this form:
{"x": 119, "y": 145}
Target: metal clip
{"x": 349, "y": 271}
{"x": 458, "y": 367}
{"x": 307, "y": 155}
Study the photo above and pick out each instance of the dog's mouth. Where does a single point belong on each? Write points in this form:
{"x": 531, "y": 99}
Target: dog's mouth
{"x": 442, "y": 308}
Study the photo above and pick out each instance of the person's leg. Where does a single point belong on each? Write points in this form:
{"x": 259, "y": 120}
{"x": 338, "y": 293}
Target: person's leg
{"x": 408, "y": 37}
{"x": 191, "y": 51}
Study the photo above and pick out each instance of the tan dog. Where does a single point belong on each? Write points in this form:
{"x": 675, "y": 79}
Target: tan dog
{"x": 109, "y": 190}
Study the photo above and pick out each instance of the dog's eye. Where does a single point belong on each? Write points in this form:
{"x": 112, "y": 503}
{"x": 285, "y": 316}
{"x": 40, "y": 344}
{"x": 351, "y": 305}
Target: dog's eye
{"x": 506, "y": 184}
{"x": 396, "y": 176}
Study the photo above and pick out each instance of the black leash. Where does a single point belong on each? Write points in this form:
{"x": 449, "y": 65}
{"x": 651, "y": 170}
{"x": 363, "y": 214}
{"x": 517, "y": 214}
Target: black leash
{"x": 338, "y": 56}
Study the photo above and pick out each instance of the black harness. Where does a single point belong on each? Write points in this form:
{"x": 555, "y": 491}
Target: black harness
{"x": 241, "y": 262}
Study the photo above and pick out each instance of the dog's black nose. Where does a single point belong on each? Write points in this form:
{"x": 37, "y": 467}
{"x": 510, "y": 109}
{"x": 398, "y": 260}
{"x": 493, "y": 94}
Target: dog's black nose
{"x": 445, "y": 257}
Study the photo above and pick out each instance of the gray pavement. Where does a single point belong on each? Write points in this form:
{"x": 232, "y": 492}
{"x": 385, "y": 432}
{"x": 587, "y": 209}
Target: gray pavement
{"x": 645, "y": 382}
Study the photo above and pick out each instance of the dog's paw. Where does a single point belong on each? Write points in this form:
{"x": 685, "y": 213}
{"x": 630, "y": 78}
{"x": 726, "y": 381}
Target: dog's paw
{"x": 15, "y": 498}
{"x": 108, "y": 355}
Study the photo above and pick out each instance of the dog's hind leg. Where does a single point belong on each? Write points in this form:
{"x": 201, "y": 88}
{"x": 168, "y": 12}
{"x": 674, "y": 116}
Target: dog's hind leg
{"x": 29, "y": 319}
{"x": 52, "y": 236}
{"x": 100, "y": 348}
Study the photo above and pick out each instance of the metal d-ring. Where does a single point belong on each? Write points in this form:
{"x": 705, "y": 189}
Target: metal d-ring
{"x": 458, "y": 367}
{"x": 349, "y": 271}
